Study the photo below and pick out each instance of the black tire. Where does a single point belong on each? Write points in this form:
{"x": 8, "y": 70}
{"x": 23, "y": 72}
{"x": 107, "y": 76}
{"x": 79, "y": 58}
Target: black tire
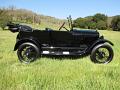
{"x": 28, "y": 52}
{"x": 101, "y": 57}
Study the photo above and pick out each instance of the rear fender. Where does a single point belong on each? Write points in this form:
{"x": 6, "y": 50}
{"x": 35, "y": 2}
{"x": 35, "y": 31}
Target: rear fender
{"x": 26, "y": 40}
{"x": 99, "y": 41}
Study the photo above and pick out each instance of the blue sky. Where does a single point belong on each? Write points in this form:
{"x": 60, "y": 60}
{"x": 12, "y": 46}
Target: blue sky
{"x": 63, "y": 8}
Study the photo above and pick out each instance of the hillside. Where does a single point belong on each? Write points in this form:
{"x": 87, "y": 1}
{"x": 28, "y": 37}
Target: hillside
{"x": 32, "y": 18}
{"x": 37, "y": 20}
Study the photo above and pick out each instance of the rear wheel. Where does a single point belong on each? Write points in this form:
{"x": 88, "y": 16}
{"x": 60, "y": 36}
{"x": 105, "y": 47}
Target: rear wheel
{"x": 28, "y": 52}
{"x": 102, "y": 53}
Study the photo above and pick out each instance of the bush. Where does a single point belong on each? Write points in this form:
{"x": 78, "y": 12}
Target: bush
{"x": 115, "y": 23}
{"x": 4, "y": 18}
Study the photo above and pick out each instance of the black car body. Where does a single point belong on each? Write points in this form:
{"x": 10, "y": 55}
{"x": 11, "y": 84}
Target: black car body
{"x": 32, "y": 43}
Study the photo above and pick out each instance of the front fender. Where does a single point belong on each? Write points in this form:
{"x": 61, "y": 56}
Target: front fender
{"x": 19, "y": 42}
{"x": 100, "y": 41}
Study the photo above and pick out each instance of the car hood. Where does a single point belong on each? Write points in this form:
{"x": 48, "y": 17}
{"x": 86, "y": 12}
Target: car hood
{"x": 85, "y": 31}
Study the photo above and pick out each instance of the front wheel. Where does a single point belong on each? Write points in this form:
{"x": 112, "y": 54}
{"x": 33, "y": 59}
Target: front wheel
{"x": 102, "y": 53}
{"x": 28, "y": 52}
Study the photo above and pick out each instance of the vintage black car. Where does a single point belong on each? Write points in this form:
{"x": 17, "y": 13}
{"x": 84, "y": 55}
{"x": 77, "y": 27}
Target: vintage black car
{"x": 31, "y": 43}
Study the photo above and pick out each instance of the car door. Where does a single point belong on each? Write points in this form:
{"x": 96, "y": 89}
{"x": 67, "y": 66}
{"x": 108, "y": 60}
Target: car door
{"x": 42, "y": 36}
{"x": 61, "y": 38}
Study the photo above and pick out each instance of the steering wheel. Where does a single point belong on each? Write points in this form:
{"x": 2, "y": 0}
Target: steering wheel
{"x": 62, "y": 26}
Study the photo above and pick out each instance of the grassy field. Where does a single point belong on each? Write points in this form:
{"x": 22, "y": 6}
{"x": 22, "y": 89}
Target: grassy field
{"x": 56, "y": 74}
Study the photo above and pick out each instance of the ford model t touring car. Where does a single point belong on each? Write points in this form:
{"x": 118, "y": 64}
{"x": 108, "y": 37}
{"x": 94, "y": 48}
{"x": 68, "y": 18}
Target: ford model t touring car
{"x": 32, "y": 43}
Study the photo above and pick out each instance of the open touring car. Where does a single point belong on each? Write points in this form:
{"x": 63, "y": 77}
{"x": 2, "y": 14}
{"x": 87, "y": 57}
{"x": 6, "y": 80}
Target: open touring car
{"x": 30, "y": 44}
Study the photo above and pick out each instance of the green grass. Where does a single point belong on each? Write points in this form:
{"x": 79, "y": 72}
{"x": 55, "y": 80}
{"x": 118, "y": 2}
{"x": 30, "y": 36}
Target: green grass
{"x": 55, "y": 74}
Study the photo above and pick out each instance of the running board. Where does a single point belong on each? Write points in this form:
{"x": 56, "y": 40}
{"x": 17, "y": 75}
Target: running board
{"x": 63, "y": 48}
{"x": 62, "y": 53}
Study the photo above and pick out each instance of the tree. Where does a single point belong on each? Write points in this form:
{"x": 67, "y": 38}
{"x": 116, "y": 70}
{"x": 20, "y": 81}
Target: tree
{"x": 99, "y": 17}
{"x": 102, "y": 25}
{"x": 101, "y": 21}
{"x": 115, "y": 23}
{"x": 91, "y": 24}
{"x": 80, "y": 22}
{"x": 98, "y": 21}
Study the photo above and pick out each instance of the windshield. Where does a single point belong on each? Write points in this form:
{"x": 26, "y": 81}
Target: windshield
{"x": 70, "y": 22}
